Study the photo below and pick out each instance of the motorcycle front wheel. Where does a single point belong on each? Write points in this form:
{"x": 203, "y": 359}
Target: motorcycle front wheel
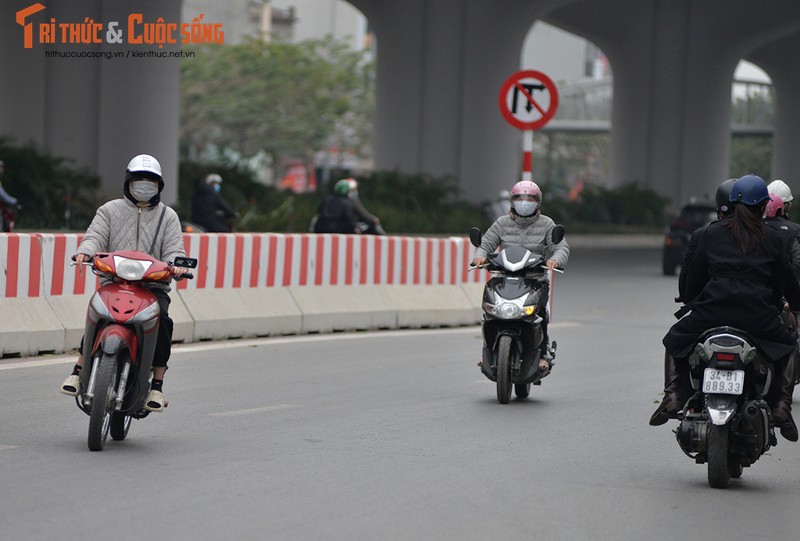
{"x": 504, "y": 369}
{"x": 719, "y": 475}
{"x": 103, "y": 402}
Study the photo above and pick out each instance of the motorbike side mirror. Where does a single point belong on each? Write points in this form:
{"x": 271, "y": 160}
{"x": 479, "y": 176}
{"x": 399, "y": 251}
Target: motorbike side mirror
{"x": 558, "y": 234}
{"x": 475, "y": 237}
{"x": 186, "y": 262}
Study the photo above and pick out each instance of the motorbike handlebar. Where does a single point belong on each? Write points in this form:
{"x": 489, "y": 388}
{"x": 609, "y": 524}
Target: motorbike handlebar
{"x": 472, "y": 267}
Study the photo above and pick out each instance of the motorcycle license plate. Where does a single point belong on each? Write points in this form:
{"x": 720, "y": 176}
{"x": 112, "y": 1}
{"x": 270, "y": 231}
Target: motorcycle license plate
{"x": 723, "y": 381}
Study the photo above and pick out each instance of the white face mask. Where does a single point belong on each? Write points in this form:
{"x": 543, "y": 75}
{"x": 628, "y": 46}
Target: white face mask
{"x": 525, "y": 208}
{"x": 143, "y": 190}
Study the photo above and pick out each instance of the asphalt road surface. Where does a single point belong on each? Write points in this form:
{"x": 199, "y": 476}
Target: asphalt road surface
{"x": 393, "y": 435}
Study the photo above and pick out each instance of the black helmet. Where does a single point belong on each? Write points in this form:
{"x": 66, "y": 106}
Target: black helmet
{"x": 723, "y": 196}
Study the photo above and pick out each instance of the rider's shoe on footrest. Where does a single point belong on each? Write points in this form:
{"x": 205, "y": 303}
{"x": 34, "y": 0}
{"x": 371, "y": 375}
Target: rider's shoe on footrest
{"x": 71, "y": 385}
{"x": 155, "y": 402}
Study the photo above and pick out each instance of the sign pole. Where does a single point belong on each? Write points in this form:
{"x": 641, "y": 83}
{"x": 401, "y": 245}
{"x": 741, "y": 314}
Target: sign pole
{"x": 527, "y": 154}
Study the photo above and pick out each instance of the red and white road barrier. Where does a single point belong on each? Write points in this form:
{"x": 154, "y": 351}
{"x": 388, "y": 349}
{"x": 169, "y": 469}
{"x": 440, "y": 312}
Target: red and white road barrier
{"x": 244, "y": 279}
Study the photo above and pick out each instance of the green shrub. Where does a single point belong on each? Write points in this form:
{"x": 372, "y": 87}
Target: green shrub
{"x": 54, "y": 194}
{"x": 625, "y": 208}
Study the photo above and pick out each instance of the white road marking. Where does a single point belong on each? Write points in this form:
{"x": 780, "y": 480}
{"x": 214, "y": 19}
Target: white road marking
{"x": 251, "y": 411}
{"x": 182, "y": 349}
{"x": 7, "y": 447}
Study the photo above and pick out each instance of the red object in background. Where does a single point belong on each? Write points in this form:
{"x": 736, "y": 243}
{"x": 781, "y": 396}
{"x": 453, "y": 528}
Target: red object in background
{"x": 298, "y": 179}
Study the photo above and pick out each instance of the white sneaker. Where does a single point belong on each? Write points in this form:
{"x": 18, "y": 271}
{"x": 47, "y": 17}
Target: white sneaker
{"x": 71, "y": 385}
{"x": 155, "y": 402}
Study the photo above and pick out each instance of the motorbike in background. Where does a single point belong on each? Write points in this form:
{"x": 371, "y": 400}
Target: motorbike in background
{"x": 514, "y": 301}
{"x": 119, "y": 341}
{"x": 727, "y": 423}
{"x": 7, "y": 220}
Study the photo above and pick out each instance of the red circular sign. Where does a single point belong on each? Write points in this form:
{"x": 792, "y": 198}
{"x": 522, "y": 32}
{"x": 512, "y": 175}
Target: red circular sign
{"x": 528, "y": 99}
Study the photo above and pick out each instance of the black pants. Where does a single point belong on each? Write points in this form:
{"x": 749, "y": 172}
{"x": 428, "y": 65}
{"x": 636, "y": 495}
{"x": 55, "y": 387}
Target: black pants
{"x": 165, "y": 328}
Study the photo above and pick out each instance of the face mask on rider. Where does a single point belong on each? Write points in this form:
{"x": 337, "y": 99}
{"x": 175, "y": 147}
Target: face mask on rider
{"x": 525, "y": 208}
{"x": 217, "y": 187}
{"x": 143, "y": 190}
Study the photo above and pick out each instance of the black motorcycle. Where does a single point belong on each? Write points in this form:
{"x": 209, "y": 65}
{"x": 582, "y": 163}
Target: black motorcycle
{"x": 727, "y": 423}
{"x": 514, "y": 303}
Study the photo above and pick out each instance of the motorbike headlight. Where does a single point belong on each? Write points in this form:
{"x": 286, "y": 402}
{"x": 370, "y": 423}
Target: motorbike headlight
{"x": 131, "y": 269}
{"x": 509, "y": 310}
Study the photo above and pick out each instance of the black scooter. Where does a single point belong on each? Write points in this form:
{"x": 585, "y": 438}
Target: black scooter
{"x": 514, "y": 303}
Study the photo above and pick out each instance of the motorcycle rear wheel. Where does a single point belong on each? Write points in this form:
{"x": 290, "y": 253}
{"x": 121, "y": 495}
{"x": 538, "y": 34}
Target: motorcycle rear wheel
{"x": 102, "y": 403}
{"x": 522, "y": 390}
{"x": 735, "y": 468}
{"x": 120, "y": 424}
{"x": 718, "y": 473}
{"x": 504, "y": 369}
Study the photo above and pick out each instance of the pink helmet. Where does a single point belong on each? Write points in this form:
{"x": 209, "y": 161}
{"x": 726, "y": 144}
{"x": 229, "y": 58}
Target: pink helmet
{"x": 526, "y": 187}
{"x": 774, "y": 206}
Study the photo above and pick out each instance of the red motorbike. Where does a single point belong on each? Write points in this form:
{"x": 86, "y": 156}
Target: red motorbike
{"x": 119, "y": 341}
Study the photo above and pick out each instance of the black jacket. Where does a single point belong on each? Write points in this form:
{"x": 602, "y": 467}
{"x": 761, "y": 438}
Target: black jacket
{"x": 210, "y": 210}
{"x": 723, "y": 287}
{"x": 336, "y": 214}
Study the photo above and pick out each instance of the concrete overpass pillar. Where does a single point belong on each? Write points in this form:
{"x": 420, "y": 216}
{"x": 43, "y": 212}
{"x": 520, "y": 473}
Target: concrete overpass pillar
{"x": 781, "y": 61}
{"x": 441, "y": 64}
{"x": 672, "y": 81}
{"x": 99, "y": 112}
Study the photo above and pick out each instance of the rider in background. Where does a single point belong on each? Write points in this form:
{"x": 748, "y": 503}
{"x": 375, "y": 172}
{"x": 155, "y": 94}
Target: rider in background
{"x": 501, "y": 206}
{"x": 724, "y": 209}
{"x": 139, "y": 221}
{"x": 525, "y": 225}
{"x": 372, "y": 222}
{"x": 337, "y": 213}
{"x": 5, "y": 200}
{"x": 209, "y": 209}
{"x": 738, "y": 276}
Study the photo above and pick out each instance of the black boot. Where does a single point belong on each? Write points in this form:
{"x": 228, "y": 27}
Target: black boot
{"x": 672, "y": 403}
{"x": 782, "y": 411}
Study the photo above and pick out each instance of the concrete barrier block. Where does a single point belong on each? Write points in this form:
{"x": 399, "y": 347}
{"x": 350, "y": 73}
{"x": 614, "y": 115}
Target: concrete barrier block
{"x": 71, "y": 313}
{"x": 431, "y": 306}
{"x": 183, "y": 330}
{"x": 474, "y": 293}
{"x": 344, "y": 308}
{"x": 219, "y": 314}
{"x": 28, "y": 326}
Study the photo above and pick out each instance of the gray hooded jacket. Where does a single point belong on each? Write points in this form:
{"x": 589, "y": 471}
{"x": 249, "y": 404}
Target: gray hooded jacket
{"x": 121, "y": 225}
{"x": 534, "y": 233}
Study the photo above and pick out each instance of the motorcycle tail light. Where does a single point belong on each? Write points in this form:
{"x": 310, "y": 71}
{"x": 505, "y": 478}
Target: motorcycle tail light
{"x": 726, "y": 356}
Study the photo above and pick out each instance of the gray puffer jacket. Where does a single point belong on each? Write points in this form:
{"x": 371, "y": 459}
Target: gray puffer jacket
{"x": 121, "y": 225}
{"x": 534, "y": 233}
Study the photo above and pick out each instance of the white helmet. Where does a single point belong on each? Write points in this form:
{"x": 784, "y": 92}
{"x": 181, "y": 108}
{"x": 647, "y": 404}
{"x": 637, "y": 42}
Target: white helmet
{"x": 144, "y": 163}
{"x": 213, "y": 178}
{"x": 781, "y": 189}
